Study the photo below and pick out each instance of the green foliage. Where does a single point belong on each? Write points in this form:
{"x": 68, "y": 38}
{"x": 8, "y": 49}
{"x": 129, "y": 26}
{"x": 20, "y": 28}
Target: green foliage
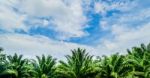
{"x": 80, "y": 64}
{"x": 44, "y": 67}
{"x": 17, "y": 67}
{"x": 114, "y": 66}
{"x": 2, "y": 61}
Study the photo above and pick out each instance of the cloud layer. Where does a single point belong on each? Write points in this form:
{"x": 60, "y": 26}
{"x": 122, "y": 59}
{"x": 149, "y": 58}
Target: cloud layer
{"x": 120, "y": 26}
{"x": 52, "y": 14}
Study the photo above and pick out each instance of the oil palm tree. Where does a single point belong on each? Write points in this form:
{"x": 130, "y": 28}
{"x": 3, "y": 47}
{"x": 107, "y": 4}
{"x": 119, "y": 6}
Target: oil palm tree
{"x": 2, "y": 61}
{"x": 2, "y": 56}
{"x": 78, "y": 65}
{"x": 139, "y": 57}
{"x": 114, "y": 67}
{"x": 44, "y": 67}
{"x": 17, "y": 67}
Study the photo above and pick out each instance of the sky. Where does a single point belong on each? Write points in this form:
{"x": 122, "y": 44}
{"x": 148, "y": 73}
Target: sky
{"x": 54, "y": 27}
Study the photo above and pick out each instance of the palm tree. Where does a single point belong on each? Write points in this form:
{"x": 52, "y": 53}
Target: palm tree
{"x": 2, "y": 61}
{"x": 44, "y": 67}
{"x": 16, "y": 67}
{"x": 114, "y": 67}
{"x": 1, "y": 49}
{"x": 2, "y": 56}
{"x": 139, "y": 57}
{"x": 78, "y": 65}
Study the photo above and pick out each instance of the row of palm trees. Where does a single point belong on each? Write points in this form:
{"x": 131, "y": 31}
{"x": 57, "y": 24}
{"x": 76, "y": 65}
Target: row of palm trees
{"x": 135, "y": 64}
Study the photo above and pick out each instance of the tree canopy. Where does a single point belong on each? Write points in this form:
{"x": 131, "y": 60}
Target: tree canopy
{"x": 80, "y": 64}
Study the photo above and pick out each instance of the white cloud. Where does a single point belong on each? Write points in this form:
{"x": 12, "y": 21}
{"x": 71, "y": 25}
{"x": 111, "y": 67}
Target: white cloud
{"x": 126, "y": 38}
{"x": 30, "y": 46}
{"x": 100, "y": 8}
{"x": 104, "y": 25}
{"x": 63, "y": 15}
{"x": 103, "y": 7}
{"x": 127, "y": 29}
{"x": 9, "y": 20}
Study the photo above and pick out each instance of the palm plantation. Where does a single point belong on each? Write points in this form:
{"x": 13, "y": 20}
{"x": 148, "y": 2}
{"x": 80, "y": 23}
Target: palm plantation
{"x": 80, "y": 64}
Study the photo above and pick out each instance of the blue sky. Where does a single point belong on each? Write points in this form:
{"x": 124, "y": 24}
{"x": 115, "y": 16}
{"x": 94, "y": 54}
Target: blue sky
{"x": 35, "y": 27}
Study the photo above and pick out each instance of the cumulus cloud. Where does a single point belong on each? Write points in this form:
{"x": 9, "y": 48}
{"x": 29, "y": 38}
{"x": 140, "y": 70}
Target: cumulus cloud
{"x": 128, "y": 28}
{"x": 55, "y": 14}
